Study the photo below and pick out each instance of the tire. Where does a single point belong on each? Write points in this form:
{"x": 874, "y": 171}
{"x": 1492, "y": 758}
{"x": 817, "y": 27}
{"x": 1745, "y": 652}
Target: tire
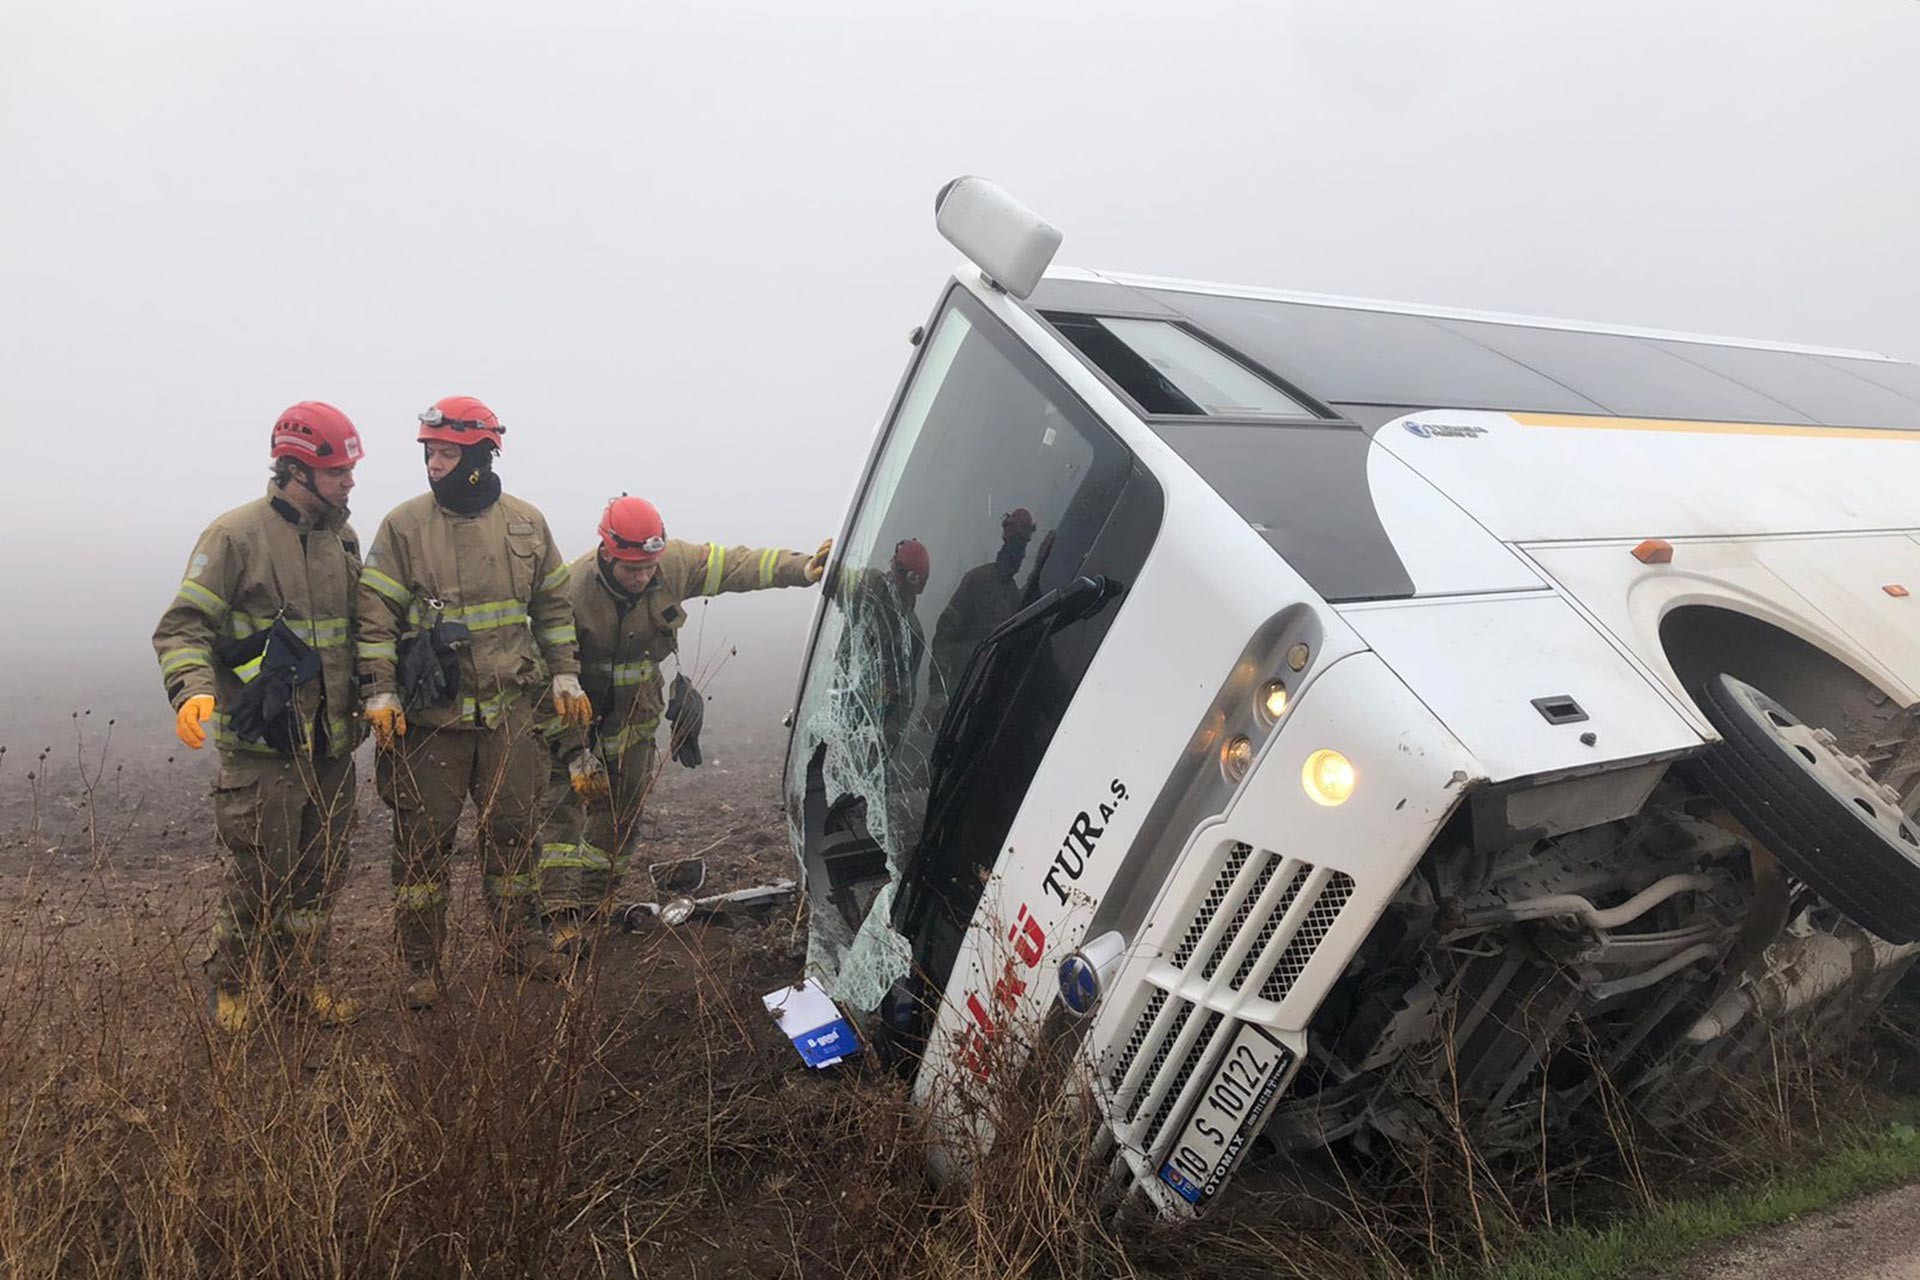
{"x": 1814, "y": 808}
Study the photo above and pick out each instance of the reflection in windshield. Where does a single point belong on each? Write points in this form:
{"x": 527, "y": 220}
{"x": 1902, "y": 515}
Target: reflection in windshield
{"x": 883, "y": 623}
{"x": 986, "y": 596}
{"x": 989, "y": 491}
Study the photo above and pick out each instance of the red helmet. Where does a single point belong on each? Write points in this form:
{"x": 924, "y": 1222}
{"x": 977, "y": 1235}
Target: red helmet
{"x": 911, "y": 562}
{"x": 1017, "y": 525}
{"x": 631, "y": 530}
{"x": 460, "y": 420}
{"x": 317, "y": 434}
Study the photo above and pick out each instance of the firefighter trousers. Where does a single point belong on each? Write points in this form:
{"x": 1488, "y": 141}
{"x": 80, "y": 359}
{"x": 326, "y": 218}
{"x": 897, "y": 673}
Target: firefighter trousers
{"x": 426, "y": 779}
{"x": 284, "y": 822}
{"x": 584, "y": 848}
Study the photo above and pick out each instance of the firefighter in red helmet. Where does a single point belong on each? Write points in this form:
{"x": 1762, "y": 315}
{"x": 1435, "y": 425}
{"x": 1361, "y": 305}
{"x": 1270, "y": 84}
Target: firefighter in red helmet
{"x": 629, "y": 597}
{"x": 256, "y": 645}
{"x": 883, "y": 634}
{"x": 465, "y": 627}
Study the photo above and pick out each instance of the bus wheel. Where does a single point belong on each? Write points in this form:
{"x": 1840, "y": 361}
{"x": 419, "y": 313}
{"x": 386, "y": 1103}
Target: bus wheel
{"x": 1815, "y": 807}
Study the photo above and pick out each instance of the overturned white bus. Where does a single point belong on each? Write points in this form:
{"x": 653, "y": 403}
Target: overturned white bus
{"x": 1287, "y": 687}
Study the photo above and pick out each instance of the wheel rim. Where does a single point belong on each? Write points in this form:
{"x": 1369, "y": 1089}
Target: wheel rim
{"x": 1845, "y": 776}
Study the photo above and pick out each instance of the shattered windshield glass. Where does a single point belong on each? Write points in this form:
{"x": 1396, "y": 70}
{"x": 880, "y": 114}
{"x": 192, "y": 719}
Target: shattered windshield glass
{"x": 991, "y": 489}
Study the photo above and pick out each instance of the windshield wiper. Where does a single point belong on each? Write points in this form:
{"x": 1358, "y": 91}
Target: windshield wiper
{"x": 947, "y": 769}
{"x": 1064, "y": 604}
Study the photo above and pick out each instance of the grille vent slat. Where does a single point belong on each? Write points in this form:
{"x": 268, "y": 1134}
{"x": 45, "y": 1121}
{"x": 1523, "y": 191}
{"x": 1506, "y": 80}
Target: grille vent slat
{"x": 1261, "y": 878}
{"x": 1313, "y": 931}
{"x": 1151, "y": 1134}
{"x": 1271, "y": 925}
{"x": 1125, "y": 1058}
{"x": 1210, "y": 905}
{"x": 1174, "y": 1025}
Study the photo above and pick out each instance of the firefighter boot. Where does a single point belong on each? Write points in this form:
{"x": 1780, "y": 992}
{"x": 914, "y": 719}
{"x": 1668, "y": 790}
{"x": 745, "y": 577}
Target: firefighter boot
{"x": 420, "y": 932}
{"x": 234, "y": 1009}
{"x": 569, "y": 941}
{"x": 421, "y": 992}
{"x": 327, "y": 1006}
{"x": 516, "y": 931}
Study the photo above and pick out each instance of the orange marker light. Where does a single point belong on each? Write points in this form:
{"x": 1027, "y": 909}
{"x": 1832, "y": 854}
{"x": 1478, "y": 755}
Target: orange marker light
{"x": 1654, "y": 551}
{"x": 1895, "y": 590}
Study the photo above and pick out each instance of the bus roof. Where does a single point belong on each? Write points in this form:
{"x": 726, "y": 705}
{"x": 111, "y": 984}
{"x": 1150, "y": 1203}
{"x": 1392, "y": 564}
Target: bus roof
{"x": 1352, "y": 352}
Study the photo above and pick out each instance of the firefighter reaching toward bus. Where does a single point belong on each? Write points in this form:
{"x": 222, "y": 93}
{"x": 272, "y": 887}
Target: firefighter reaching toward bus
{"x": 628, "y": 600}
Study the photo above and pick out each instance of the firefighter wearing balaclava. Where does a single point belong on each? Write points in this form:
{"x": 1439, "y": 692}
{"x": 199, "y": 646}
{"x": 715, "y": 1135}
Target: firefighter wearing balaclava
{"x": 629, "y": 597}
{"x": 257, "y": 647}
{"x": 465, "y": 624}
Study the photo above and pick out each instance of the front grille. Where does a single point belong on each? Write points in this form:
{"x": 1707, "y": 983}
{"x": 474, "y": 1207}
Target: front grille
{"x": 1260, "y": 919}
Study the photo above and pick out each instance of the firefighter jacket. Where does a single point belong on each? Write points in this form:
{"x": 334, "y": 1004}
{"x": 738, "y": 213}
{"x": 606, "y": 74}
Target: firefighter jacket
{"x": 624, "y": 638}
{"x": 495, "y": 571}
{"x": 257, "y": 562}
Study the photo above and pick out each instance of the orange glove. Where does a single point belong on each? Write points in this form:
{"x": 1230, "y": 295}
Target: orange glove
{"x": 817, "y": 565}
{"x": 388, "y": 720}
{"x": 570, "y": 701}
{"x": 588, "y": 777}
{"x": 193, "y": 716}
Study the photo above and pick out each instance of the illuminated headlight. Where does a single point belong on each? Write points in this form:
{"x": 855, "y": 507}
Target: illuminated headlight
{"x": 1236, "y": 757}
{"x": 1328, "y": 777}
{"x": 1273, "y": 700}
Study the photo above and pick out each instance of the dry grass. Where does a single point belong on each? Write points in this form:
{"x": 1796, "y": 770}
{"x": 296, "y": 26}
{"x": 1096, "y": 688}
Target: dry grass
{"x": 649, "y": 1120}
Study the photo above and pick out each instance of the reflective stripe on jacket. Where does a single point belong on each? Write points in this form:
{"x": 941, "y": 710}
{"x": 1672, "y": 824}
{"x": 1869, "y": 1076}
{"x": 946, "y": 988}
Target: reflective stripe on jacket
{"x": 496, "y": 571}
{"x": 252, "y": 564}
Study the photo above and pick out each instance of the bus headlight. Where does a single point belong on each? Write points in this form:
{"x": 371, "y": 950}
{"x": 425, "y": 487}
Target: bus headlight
{"x": 1236, "y": 757}
{"x": 1328, "y": 777}
{"x": 1272, "y": 702}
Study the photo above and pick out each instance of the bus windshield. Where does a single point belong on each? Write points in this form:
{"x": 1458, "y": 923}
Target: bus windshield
{"x": 993, "y": 487}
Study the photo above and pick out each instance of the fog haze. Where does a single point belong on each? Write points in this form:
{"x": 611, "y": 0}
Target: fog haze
{"x": 679, "y": 248}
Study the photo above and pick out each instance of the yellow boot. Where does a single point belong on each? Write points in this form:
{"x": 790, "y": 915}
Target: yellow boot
{"x": 568, "y": 942}
{"x": 234, "y": 1011}
{"x": 327, "y": 1006}
{"x": 422, "y": 992}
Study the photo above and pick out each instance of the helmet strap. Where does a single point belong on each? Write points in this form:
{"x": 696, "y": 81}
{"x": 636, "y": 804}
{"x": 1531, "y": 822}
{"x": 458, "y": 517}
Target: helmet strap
{"x": 302, "y": 475}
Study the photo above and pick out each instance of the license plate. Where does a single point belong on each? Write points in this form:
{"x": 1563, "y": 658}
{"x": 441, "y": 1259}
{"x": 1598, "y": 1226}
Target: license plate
{"x": 1227, "y": 1116}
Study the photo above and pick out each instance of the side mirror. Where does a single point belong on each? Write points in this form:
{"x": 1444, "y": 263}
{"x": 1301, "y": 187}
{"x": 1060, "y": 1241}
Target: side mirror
{"x": 1011, "y": 243}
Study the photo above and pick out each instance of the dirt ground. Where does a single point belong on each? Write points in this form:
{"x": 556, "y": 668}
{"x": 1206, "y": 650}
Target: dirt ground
{"x": 104, "y": 829}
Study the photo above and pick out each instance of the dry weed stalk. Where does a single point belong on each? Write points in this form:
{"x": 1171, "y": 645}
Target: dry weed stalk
{"x": 649, "y": 1120}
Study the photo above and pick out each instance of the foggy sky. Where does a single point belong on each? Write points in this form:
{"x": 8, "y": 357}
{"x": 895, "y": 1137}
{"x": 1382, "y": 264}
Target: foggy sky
{"x": 678, "y": 248}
